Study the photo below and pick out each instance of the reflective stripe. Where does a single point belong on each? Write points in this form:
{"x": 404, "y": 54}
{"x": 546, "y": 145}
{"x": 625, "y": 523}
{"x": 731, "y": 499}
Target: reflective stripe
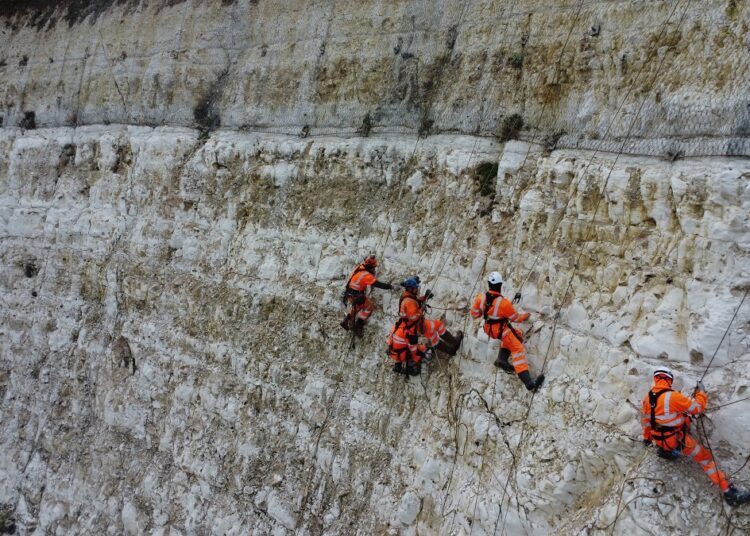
{"x": 667, "y": 413}
{"x": 694, "y": 407}
{"x": 478, "y": 310}
{"x": 399, "y": 340}
{"x": 513, "y": 317}
{"x": 495, "y": 308}
{"x": 355, "y": 284}
{"x": 696, "y": 451}
{"x": 705, "y": 463}
{"x": 711, "y": 471}
{"x": 672, "y": 423}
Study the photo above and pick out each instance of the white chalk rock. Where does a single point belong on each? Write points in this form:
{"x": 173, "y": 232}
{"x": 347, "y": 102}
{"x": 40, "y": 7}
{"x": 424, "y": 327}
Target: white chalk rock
{"x": 409, "y": 508}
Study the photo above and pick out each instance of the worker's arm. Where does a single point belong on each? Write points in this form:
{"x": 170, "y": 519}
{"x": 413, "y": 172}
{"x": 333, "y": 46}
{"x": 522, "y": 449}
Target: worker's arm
{"x": 517, "y": 316}
{"x": 477, "y": 307}
{"x": 694, "y": 405}
{"x": 646, "y": 420}
{"x": 381, "y": 285}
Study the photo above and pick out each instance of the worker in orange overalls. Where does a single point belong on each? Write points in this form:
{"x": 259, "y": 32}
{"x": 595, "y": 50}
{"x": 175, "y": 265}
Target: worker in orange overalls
{"x": 666, "y": 423}
{"x": 411, "y": 305}
{"x": 498, "y": 313}
{"x": 438, "y": 337}
{"x": 411, "y": 310}
{"x": 355, "y": 294}
{"x": 403, "y": 348}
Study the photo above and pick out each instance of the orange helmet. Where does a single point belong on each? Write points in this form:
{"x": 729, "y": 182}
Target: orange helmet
{"x": 370, "y": 262}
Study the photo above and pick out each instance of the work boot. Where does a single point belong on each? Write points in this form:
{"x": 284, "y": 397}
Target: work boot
{"x": 452, "y": 343}
{"x": 502, "y": 361}
{"x": 735, "y": 497}
{"x": 359, "y": 327}
{"x": 413, "y": 369}
{"x": 531, "y": 385}
{"x": 670, "y": 455}
{"x": 398, "y": 368}
{"x": 346, "y": 323}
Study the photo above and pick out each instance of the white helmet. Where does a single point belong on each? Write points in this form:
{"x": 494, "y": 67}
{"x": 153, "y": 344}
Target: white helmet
{"x": 664, "y": 371}
{"x": 495, "y": 278}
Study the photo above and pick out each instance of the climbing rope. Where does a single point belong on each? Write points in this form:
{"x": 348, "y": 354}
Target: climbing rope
{"x": 726, "y": 331}
{"x": 631, "y": 87}
{"x": 514, "y": 467}
{"x": 716, "y": 408}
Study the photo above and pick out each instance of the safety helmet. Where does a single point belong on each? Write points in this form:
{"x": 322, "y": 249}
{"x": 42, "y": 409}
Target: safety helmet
{"x": 370, "y": 261}
{"x": 495, "y": 278}
{"x": 411, "y": 282}
{"x": 664, "y": 372}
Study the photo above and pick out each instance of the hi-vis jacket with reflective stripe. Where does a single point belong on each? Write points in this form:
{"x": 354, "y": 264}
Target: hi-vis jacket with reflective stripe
{"x": 499, "y": 308}
{"x": 400, "y": 345}
{"x": 361, "y": 279}
{"x": 672, "y": 408}
{"x": 410, "y": 307}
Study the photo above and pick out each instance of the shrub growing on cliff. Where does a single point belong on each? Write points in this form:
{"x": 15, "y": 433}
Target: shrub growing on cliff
{"x": 29, "y": 121}
{"x": 484, "y": 176}
{"x": 510, "y": 127}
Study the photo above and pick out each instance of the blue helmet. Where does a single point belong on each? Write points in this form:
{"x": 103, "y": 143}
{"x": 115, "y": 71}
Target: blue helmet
{"x": 411, "y": 282}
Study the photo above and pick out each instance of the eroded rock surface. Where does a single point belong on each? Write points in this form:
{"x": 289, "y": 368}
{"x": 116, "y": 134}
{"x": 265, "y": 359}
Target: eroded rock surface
{"x": 217, "y": 263}
{"x": 185, "y": 185}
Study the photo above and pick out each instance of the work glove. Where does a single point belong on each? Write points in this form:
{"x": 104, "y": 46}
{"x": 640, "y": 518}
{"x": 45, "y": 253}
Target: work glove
{"x": 646, "y": 442}
{"x": 428, "y": 294}
{"x": 517, "y": 297}
{"x": 700, "y": 387}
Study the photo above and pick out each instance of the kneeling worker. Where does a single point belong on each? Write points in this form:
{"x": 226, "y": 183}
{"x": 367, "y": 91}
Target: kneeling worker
{"x": 403, "y": 348}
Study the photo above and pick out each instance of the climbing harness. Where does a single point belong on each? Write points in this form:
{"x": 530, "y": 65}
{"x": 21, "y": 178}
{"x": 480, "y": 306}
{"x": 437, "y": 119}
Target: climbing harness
{"x": 489, "y": 301}
{"x": 662, "y": 433}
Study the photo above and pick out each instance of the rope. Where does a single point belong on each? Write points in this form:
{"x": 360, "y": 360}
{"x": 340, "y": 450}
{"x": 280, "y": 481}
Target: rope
{"x": 514, "y": 466}
{"x": 725, "y": 333}
{"x": 716, "y": 408}
{"x": 606, "y": 133}
{"x": 546, "y": 101}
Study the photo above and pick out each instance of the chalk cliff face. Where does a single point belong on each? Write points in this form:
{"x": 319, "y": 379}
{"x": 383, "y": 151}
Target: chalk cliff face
{"x": 581, "y": 70}
{"x": 177, "y": 229}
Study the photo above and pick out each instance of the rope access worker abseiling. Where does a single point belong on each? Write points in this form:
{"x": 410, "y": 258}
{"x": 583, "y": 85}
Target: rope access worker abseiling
{"x": 666, "y": 423}
{"x": 355, "y": 294}
{"x": 498, "y": 313}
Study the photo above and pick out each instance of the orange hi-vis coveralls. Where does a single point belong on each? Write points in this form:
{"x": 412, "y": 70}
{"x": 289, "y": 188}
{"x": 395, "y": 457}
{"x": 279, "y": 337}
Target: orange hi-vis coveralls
{"x": 498, "y": 312}
{"x": 410, "y": 308}
{"x": 360, "y": 280}
{"x": 432, "y": 330}
{"x": 402, "y": 344}
{"x": 669, "y": 425}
